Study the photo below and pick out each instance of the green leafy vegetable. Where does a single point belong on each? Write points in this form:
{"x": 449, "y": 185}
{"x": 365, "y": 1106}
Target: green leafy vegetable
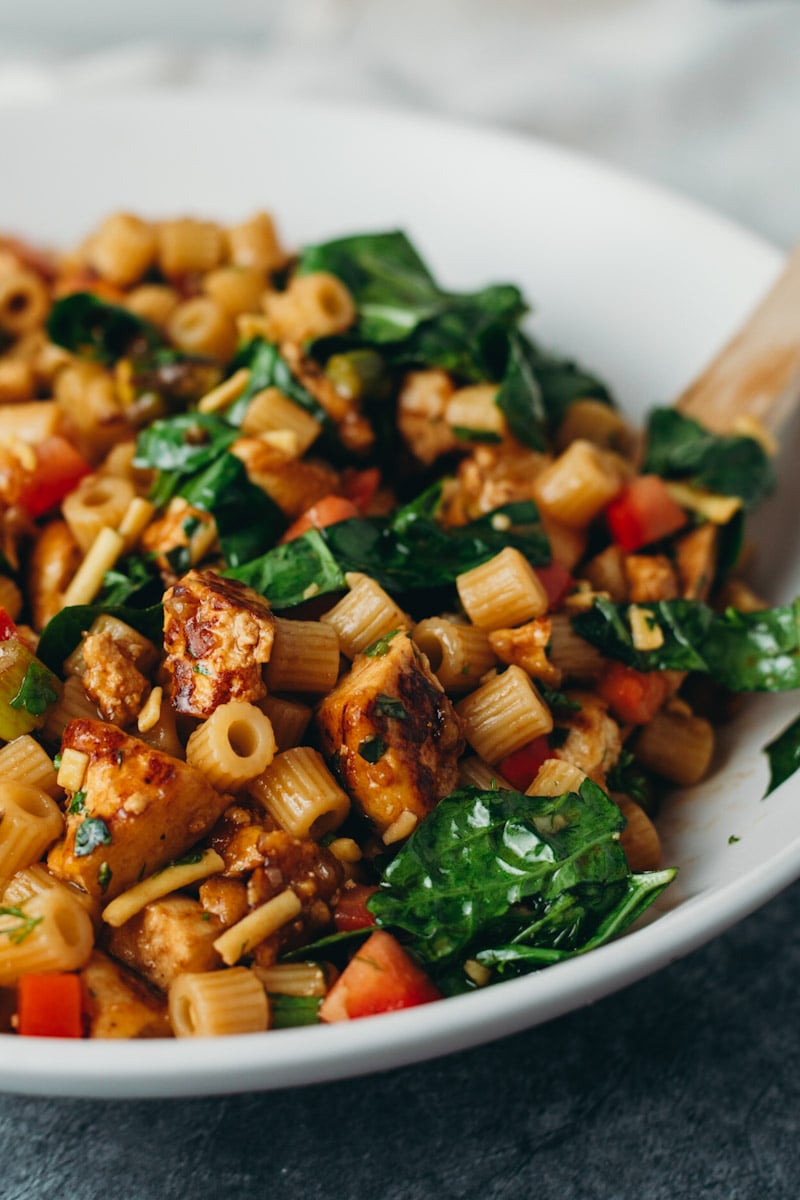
{"x": 491, "y": 869}
{"x": 77, "y": 804}
{"x": 248, "y": 520}
{"x": 104, "y": 874}
{"x": 268, "y": 368}
{"x": 91, "y": 833}
{"x": 38, "y": 689}
{"x": 741, "y": 651}
{"x": 783, "y": 753}
{"x": 179, "y": 447}
{"x": 287, "y": 1012}
{"x": 134, "y": 581}
{"x": 63, "y": 633}
{"x": 25, "y": 924}
{"x": 92, "y": 328}
{"x": 290, "y": 574}
{"x": 680, "y": 448}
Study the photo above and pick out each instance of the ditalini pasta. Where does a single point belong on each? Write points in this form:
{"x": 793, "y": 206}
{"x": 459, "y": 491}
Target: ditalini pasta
{"x": 348, "y": 640}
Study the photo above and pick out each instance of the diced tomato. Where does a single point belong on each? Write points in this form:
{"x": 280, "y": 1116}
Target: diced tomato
{"x": 380, "y": 977}
{"x": 521, "y": 767}
{"x": 556, "y": 581}
{"x": 7, "y": 627}
{"x": 351, "y": 910}
{"x": 330, "y": 510}
{"x": 643, "y": 512}
{"x": 634, "y": 697}
{"x": 361, "y": 486}
{"x": 59, "y": 468}
{"x": 49, "y": 1006}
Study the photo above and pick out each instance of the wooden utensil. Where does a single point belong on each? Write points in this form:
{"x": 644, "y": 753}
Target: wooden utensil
{"x": 757, "y": 374}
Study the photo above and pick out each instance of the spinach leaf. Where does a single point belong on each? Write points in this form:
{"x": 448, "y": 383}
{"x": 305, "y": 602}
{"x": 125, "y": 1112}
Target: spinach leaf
{"x": 401, "y": 308}
{"x": 488, "y": 869}
{"x": 680, "y": 448}
{"x": 392, "y": 288}
{"x": 178, "y": 447}
{"x": 783, "y": 753}
{"x": 63, "y": 633}
{"x": 268, "y": 368}
{"x": 290, "y": 574}
{"x": 287, "y": 1012}
{"x": 248, "y": 520}
{"x": 407, "y": 553}
{"x": 92, "y": 328}
{"x": 743, "y": 652}
{"x": 134, "y": 581}
{"x": 538, "y": 388}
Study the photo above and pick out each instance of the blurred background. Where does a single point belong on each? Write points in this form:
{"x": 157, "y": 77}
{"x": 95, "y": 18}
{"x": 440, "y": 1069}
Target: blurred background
{"x": 702, "y": 95}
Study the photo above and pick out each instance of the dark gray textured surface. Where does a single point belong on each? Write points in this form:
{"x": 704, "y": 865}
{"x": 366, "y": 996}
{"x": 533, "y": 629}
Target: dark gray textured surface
{"x": 685, "y": 1085}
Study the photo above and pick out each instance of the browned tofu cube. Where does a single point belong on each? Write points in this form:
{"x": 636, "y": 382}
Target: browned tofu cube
{"x": 137, "y": 809}
{"x": 168, "y": 936}
{"x": 392, "y": 733}
{"x": 217, "y": 635}
{"x": 118, "y": 1005}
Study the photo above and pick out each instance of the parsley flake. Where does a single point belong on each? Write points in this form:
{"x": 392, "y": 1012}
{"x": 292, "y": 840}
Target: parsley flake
{"x": 36, "y": 691}
{"x": 391, "y": 707}
{"x": 90, "y": 834}
{"x": 381, "y": 645}
{"x": 104, "y": 876}
{"x": 77, "y": 804}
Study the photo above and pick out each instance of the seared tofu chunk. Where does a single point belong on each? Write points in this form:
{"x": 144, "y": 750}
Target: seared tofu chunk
{"x": 137, "y": 808}
{"x": 593, "y": 742}
{"x": 260, "y": 863}
{"x": 217, "y": 635}
{"x": 168, "y": 936}
{"x": 650, "y": 577}
{"x": 392, "y": 733}
{"x": 118, "y": 1005}
{"x": 111, "y": 679}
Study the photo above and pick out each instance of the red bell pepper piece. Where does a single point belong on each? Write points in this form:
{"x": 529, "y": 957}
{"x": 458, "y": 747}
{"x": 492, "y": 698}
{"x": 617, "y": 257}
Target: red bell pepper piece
{"x": 328, "y": 511}
{"x": 521, "y": 767}
{"x": 49, "y": 1006}
{"x": 351, "y": 910}
{"x": 59, "y": 468}
{"x": 634, "y": 697}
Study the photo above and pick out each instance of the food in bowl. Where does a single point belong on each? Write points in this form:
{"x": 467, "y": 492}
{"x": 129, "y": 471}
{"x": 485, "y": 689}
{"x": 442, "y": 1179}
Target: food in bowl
{"x": 349, "y": 637}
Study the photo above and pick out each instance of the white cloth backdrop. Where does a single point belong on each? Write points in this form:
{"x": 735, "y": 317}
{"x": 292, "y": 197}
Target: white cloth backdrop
{"x": 703, "y": 95}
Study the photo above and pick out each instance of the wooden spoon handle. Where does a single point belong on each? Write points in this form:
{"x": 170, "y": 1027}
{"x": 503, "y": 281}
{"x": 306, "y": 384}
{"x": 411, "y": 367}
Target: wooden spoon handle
{"x": 757, "y": 374}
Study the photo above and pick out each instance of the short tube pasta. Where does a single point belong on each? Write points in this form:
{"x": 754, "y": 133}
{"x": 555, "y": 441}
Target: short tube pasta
{"x": 503, "y": 715}
{"x": 677, "y": 746}
{"x": 301, "y": 794}
{"x": 459, "y": 654}
{"x": 24, "y": 301}
{"x": 555, "y": 777}
{"x": 123, "y": 249}
{"x": 31, "y": 821}
{"x": 577, "y": 485}
{"x": 365, "y": 614}
{"x": 232, "y": 746}
{"x": 97, "y": 501}
{"x": 36, "y": 880}
{"x": 270, "y": 411}
{"x": 305, "y": 657}
{"x": 25, "y": 761}
{"x": 289, "y": 719}
{"x": 502, "y": 592}
{"x": 218, "y": 1004}
{"x": 49, "y": 931}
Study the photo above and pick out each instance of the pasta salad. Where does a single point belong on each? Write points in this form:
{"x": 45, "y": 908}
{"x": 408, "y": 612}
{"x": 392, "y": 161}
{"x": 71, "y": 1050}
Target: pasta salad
{"x": 350, "y": 639}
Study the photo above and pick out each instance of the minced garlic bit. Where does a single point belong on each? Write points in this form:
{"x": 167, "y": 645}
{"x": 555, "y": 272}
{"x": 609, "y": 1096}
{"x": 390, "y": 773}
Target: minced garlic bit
{"x": 647, "y": 634}
{"x": 347, "y": 850}
{"x": 150, "y": 710}
{"x": 405, "y": 824}
{"x": 501, "y": 522}
{"x": 72, "y": 769}
{"x": 225, "y": 394}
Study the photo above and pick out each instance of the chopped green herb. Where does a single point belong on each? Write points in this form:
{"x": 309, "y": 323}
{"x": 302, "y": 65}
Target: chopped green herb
{"x": 37, "y": 690}
{"x": 93, "y": 832}
{"x": 188, "y": 860}
{"x": 381, "y": 645}
{"x": 733, "y": 839}
{"x": 57, "y": 761}
{"x": 372, "y": 749}
{"x": 199, "y": 669}
{"x": 77, "y": 804}
{"x": 25, "y": 924}
{"x": 104, "y": 876}
{"x": 391, "y": 707}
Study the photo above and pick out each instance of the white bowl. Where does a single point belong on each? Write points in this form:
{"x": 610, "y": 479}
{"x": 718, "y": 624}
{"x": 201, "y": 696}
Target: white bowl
{"x": 638, "y": 284}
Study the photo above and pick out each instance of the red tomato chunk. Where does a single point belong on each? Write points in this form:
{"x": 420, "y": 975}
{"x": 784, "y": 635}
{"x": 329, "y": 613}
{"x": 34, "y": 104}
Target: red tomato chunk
{"x": 49, "y": 1006}
{"x": 643, "y": 512}
{"x": 351, "y": 912}
{"x": 633, "y": 696}
{"x": 381, "y": 977}
{"x": 521, "y": 767}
